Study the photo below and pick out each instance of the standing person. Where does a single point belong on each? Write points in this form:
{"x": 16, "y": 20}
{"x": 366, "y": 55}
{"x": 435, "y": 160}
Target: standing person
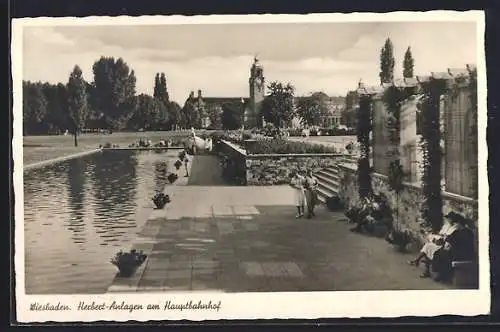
{"x": 186, "y": 162}
{"x": 310, "y": 192}
{"x": 297, "y": 183}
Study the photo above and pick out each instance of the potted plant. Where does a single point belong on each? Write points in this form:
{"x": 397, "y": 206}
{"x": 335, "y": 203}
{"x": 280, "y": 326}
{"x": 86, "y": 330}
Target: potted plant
{"x": 160, "y": 200}
{"x": 399, "y": 238}
{"x": 172, "y": 177}
{"x": 128, "y": 262}
{"x": 178, "y": 164}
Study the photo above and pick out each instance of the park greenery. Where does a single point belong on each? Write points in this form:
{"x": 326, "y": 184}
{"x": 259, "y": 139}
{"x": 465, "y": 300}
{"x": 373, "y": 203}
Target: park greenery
{"x": 278, "y": 107}
{"x": 283, "y": 146}
{"x": 111, "y": 103}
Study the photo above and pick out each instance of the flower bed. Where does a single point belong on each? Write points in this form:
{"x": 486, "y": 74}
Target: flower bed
{"x": 281, "y": 146}
{"x": 323, "y": 132}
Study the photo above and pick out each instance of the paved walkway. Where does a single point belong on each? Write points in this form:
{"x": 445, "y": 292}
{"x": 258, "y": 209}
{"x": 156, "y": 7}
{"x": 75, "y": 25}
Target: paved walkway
{"x": 205, "y": 171}
{"x": 246, "y": 239}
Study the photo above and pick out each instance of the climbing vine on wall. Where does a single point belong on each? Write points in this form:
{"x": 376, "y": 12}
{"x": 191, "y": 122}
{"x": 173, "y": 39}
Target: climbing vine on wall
{"x": 432, "y": 202}
{"x": 364, "y": 128}
{"x": 473, "y": 128}
{"x": 394, "y": 98}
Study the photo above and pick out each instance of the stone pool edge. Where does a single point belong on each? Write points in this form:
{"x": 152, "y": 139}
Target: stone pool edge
{"x": 43, "y": 163}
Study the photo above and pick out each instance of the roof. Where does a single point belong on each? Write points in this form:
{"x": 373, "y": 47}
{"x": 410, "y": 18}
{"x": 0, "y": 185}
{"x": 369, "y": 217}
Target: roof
{"x": 449, "y": 74}
{"x": 223, "y": 100}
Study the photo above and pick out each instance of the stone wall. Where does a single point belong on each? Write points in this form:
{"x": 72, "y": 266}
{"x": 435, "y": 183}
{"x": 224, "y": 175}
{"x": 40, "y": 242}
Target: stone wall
{"x": 274, "y": 169}
{"x": 408, "y": 214}
{"x": 236, "y": 169}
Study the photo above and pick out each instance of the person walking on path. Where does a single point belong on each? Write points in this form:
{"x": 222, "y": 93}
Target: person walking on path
{"x": 297, "y": 183}
{"x": 310, "y": 186}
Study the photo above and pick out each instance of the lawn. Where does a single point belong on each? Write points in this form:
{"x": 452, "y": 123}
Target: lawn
{"x": 39, "y": 148}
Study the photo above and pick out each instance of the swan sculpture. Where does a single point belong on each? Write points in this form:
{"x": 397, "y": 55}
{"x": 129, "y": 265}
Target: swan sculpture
{"x": 199, "y": 143}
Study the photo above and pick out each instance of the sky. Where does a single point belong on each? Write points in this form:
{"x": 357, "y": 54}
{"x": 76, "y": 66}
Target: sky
{"x": 216, "y": 58}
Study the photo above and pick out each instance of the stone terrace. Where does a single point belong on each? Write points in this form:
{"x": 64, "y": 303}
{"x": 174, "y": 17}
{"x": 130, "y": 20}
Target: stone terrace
{"x": 246, "y": 239}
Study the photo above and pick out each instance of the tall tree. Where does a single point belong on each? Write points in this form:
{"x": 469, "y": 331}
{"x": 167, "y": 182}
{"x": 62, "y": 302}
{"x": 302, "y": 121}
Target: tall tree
{"x": 278, "y": 107}
{"x": 164, "y": 92}
{"x": 34, "y": 107}
{"x": 77, "y": 101}
{"x": 313, "y": 108}
{"x": 408, "y": 64}
{"x": 232, "y": 115}
{"x": 387, "y": 62}
{"x": 156, "y": 90}
{"x": 114, "y": 91}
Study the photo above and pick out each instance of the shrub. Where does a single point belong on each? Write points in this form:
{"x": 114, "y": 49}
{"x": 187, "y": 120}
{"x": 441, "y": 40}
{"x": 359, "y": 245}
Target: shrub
{"x": 295, "y": 132}
{"x": 172, "y": 177}
{"x": 334, "y": 203}
{"x": 160, "y": 199}
{"x": 281, "y": 146}
{"x": 128, "y": 262}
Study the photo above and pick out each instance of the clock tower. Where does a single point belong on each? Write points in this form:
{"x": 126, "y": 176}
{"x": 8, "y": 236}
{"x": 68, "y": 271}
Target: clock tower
{"x": 257, "y": 87}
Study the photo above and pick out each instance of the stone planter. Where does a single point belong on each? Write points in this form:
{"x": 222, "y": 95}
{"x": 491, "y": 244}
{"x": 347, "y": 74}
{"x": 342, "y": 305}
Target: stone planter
{"x": 249, "y": 144}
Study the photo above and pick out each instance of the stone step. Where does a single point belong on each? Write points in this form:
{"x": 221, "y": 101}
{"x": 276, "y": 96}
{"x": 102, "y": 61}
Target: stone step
{"x": 329, "y": 189}
{"x": 332, "y": 180}
{"x": 330, "y": 172}
{"x": 326, "y": 192}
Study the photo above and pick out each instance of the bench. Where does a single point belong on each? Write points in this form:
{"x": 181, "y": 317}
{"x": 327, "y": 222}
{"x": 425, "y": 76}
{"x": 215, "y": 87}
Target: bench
{"x": 458, "y": 265}
{"x": 465, "y": 274}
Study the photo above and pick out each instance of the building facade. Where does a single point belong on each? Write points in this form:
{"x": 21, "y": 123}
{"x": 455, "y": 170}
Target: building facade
{"x": 211, "y": 108}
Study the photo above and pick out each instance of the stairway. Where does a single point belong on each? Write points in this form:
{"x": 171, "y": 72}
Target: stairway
{"x": 329, "y": 179}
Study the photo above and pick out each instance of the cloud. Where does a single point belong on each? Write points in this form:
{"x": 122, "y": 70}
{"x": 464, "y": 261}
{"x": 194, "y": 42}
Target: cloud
{"x": 217, "y": 58}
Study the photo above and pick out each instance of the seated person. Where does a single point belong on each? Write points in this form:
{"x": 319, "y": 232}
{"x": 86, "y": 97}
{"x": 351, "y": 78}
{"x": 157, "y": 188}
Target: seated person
{"x": 436, "y": 242}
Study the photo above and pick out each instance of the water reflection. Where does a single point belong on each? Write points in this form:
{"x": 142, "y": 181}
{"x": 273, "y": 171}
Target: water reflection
{"x": 79, "y": 213}
{"x": 160, "y": 175}
{"x": 114, "y": 187}
{"x": 76, "y": 173}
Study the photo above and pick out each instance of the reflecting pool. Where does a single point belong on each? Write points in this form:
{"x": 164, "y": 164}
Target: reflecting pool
{"x": 80, "y": 212}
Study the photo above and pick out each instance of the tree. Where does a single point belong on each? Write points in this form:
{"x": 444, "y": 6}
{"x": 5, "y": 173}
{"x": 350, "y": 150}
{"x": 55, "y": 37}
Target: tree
{"x": 56, "y": 118}
{"x": 408, "y": 64}
{"x": 231, "y": 118}
{"x": 34, "y": 107}
{"x": 174, "y": 115}
{"x": 387, "y": 62}
{"x": 77, "y": 101}
{"x": 278, "y": 107}
{"x": 156, "y": 90}
{"x": 163, "y": 89}
{"x": 349, "y": 116}
{"x": 191, "y": 113}
{"x": 114, "y": 91}
{"x": 313, "y": 108}
{"x": 215, "y": 117}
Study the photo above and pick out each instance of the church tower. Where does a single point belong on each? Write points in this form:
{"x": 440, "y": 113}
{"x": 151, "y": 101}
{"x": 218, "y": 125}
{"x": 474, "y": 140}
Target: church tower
{"x": 257, "y": 87}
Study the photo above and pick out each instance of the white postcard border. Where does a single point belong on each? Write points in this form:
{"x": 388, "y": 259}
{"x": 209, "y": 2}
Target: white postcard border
{"x": 307, "y": 305}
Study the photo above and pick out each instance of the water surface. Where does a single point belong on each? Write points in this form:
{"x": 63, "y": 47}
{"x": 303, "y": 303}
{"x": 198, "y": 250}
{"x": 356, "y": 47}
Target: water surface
{"x": 79, "y": 213}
